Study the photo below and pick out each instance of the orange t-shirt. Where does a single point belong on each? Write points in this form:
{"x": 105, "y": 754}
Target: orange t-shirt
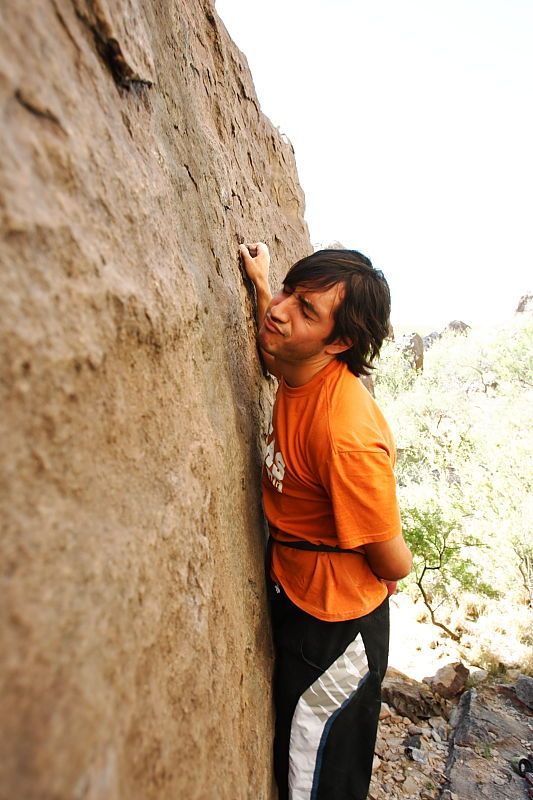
{"x": 328, "y": 479}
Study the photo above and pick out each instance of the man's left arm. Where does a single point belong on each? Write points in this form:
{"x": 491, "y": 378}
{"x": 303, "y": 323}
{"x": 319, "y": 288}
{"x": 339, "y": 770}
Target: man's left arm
{"x": 362, "y": 488}
{"x": 390, "y": 560}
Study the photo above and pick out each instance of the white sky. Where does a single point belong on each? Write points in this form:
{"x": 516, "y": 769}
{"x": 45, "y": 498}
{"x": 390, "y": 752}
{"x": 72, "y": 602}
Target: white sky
{"x": 412, "y": 122}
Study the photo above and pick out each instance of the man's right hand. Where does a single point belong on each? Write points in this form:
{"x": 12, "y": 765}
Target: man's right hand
{"x": 256, "y": 262}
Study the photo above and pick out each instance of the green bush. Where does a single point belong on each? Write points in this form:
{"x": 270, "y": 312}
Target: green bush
{"x": 464, "y": 467}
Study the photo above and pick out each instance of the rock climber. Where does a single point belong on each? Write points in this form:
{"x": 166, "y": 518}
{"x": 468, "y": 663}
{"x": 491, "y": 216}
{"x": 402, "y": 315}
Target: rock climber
{"x": 329, "y": 497}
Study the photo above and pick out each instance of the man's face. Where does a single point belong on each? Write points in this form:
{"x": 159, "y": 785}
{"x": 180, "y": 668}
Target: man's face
{"x": 298, "y": 321}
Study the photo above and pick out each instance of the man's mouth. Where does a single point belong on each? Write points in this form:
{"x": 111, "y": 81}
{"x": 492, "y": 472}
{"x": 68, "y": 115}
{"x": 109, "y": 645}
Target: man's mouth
{"x": 270, "y": 326}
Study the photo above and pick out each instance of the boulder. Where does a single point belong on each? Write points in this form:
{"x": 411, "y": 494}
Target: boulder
{"x": 450, "y": 680}
{"x": 524, "y": 690}
{"x": 411, "y": 698}
{"x": 490, "y": 732}
{"x": 134, "y": 635}
{"x": 477, "y": 675}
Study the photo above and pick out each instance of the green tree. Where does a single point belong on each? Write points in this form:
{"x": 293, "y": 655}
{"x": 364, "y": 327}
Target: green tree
{"x": 440, "y": 563}
{"x": 463, "y": 435}
{"x": 523, "y": 549}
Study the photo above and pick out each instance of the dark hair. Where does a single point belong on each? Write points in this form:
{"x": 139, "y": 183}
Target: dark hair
{"x": 362, "y": 316}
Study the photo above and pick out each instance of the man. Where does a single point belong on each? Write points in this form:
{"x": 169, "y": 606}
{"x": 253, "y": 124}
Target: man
{"x": 330, "y": 500}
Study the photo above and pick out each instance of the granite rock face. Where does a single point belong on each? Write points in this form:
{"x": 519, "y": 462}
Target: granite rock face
{"x": 490, "y": 732}
{"x": 135, "y": 645}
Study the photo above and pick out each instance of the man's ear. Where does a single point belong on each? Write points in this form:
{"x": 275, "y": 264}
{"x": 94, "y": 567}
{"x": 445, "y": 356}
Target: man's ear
{"x": 338, "y": 346}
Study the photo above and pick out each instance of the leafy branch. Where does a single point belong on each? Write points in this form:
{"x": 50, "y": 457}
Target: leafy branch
{"x": 439, "y": 561}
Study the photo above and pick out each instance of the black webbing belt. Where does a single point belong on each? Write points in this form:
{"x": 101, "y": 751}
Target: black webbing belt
{"x": 317, "y": 548}
{"x": 302, "y": 545}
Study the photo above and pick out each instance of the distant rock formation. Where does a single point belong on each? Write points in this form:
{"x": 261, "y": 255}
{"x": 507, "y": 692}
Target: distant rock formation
{"x": 135, "y": 650}
{"x": 456, "y": 326}
{"x": 414, "y": 351}
{"x": 328, "y": 246}
{"x": 525, "y": 306}
{"x": 431, "y": 338}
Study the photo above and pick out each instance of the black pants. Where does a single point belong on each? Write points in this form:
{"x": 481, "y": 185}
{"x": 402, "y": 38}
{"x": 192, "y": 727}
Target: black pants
{"x": 327, "y": 694}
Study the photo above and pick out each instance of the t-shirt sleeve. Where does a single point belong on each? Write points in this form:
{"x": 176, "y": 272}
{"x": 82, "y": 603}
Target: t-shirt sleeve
{"x": 362, "y": 489}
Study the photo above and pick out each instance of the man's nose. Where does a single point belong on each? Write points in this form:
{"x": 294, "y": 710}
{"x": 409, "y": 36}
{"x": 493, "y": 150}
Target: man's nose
{"x": 279, "y": 308}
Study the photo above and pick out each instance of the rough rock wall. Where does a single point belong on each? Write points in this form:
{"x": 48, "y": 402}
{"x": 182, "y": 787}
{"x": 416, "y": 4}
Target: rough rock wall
{"x": 134, "y": 641}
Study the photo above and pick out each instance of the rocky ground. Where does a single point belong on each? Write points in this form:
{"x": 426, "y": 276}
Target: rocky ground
{"x": 453, "y": 744}
{"x": 410, "y": 758}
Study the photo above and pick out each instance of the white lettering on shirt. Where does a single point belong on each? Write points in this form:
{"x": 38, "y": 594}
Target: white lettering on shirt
{"x": 274, "y": 463}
